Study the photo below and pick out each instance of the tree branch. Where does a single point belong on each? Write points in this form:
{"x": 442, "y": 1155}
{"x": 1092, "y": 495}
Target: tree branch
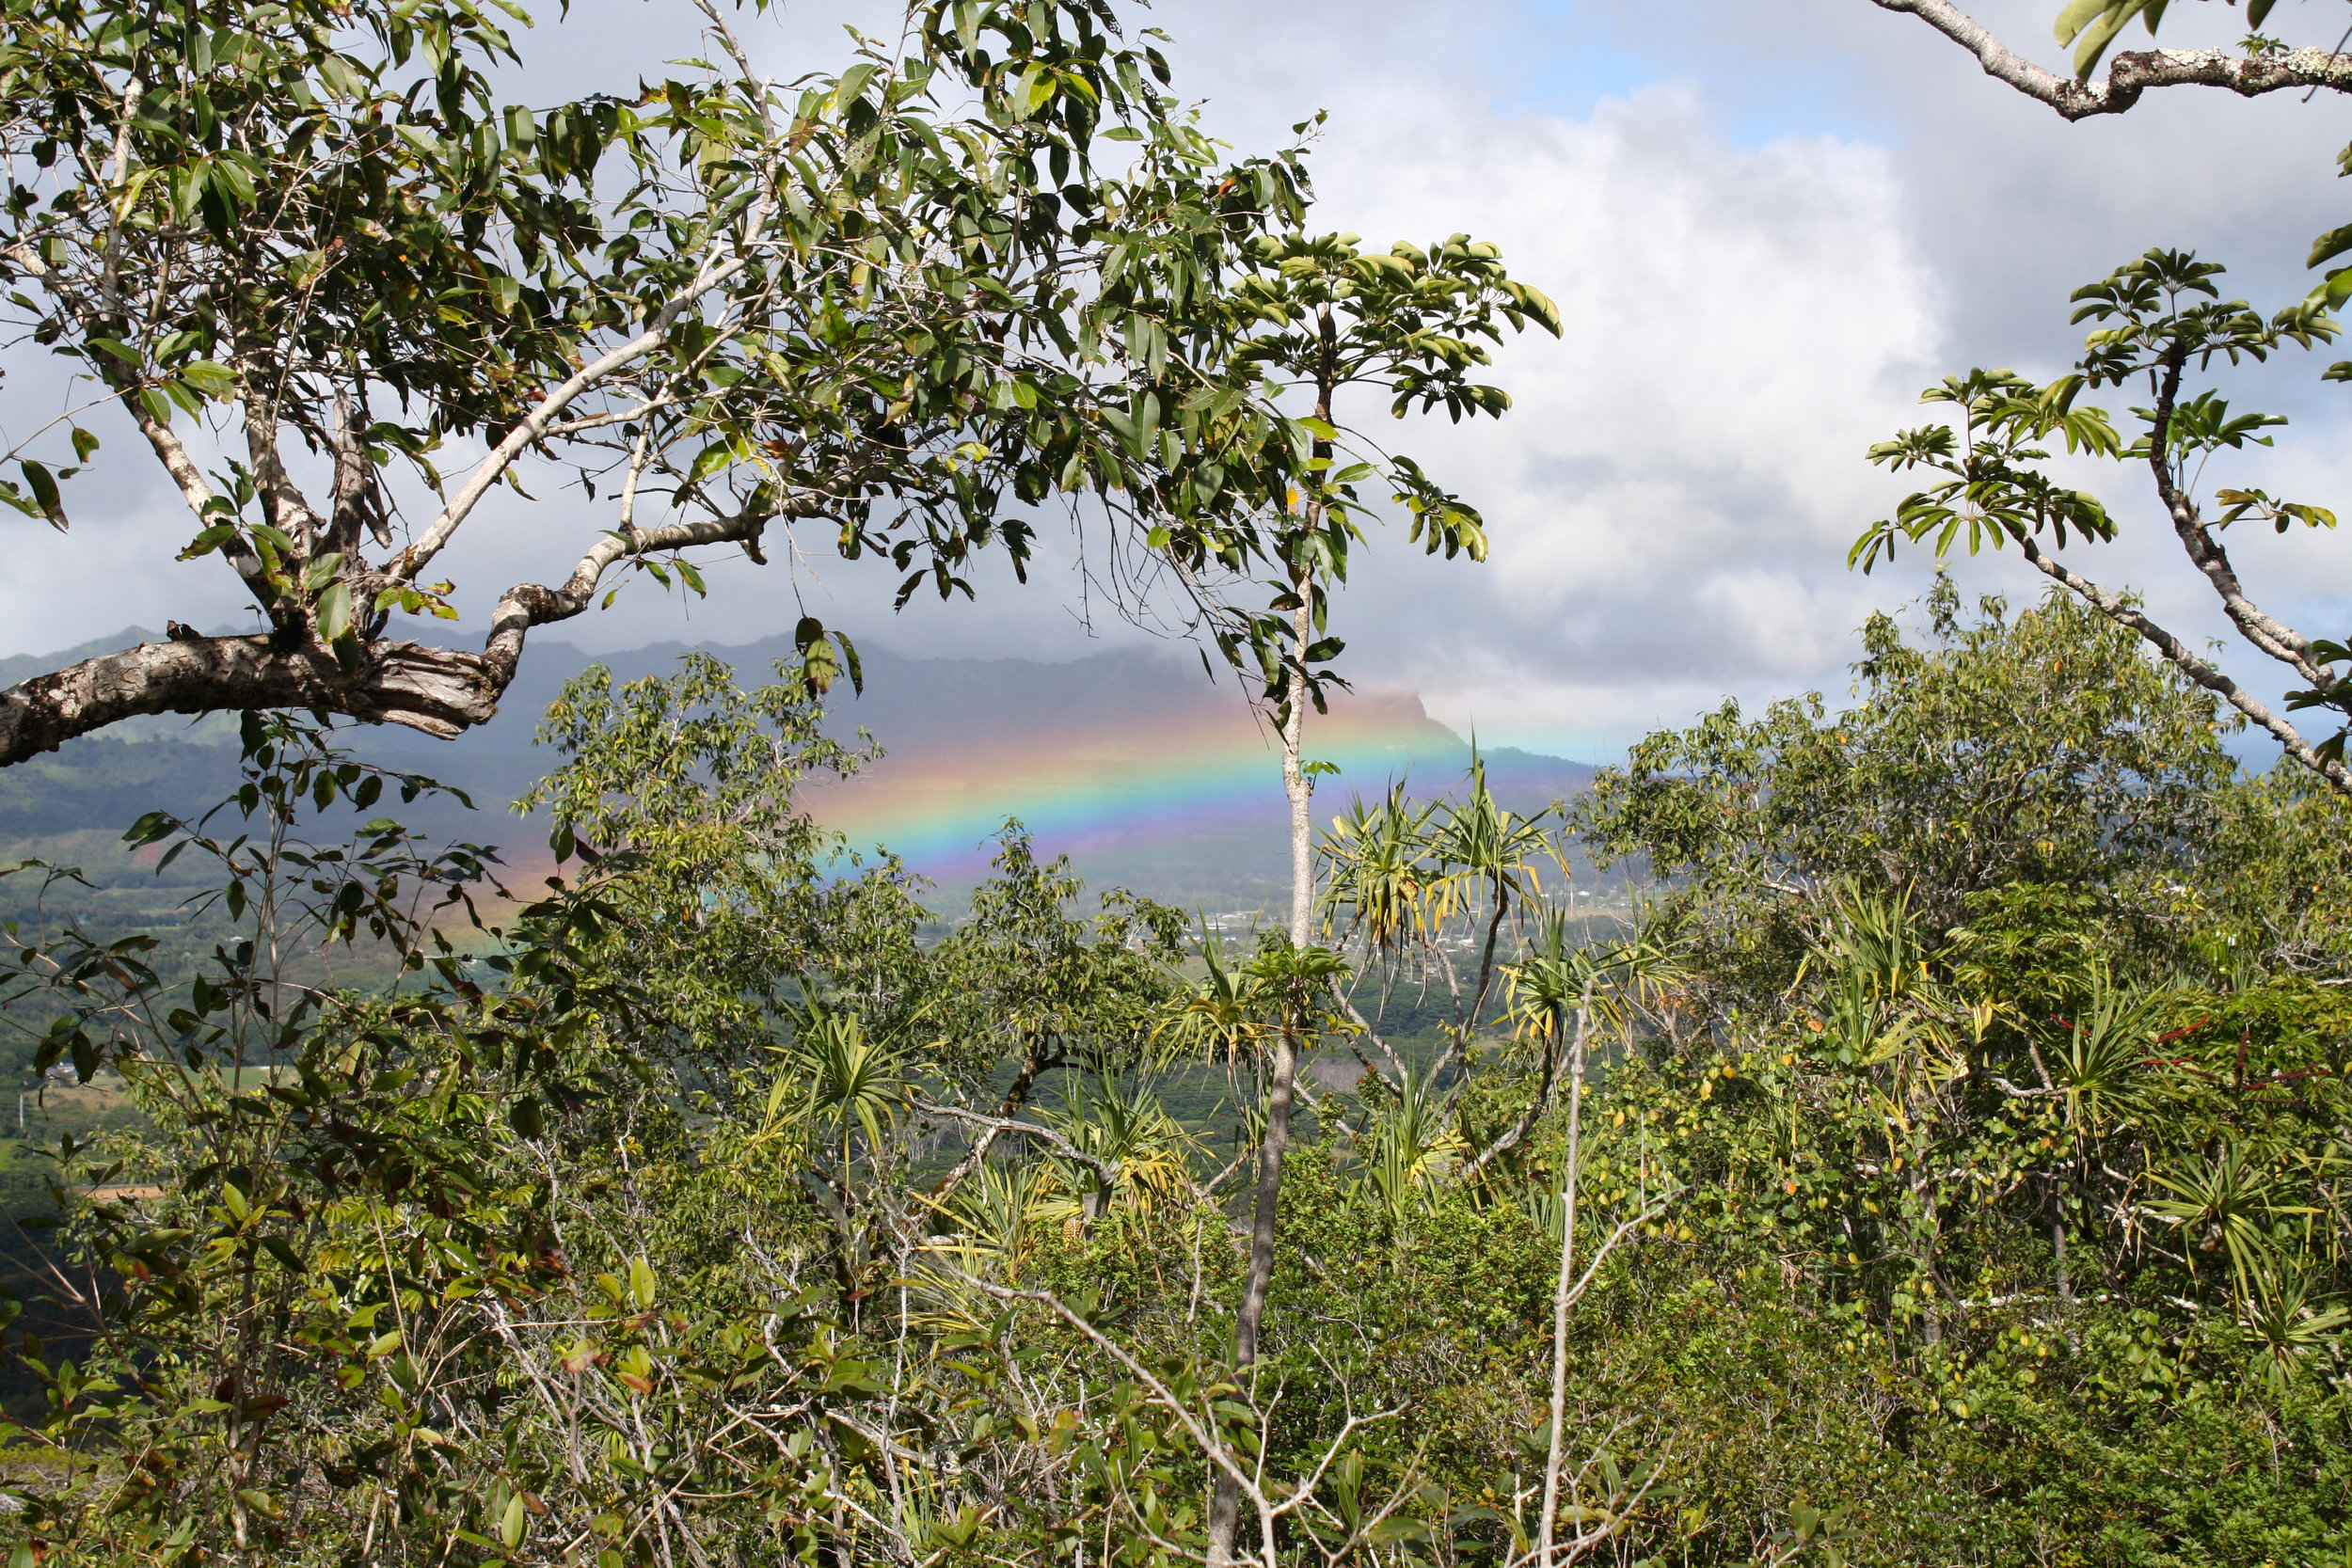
{"x": 2273, "y": 637}
{"x": 1106, "y": 1171}
{"x": 534, "y": 425}
{"x": 1203, "y": 1437}
{"x": 1038, "y": 1059}
{"x": 1526, "y": 1123}
{"x": 401, "y": 683}
{"x": 169, "y": 450}
{"x": 2196, "y": 669}
{"x": 1356, "y": 1016}
{"x": 2131, "y": 74}
{"x": 529, "y": 603}
{"x": 440, "y": 691}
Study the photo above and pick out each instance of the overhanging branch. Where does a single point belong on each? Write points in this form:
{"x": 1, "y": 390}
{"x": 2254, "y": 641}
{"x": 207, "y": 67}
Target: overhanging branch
{"x": 441, "y": 691}
{"x": 2182, "y": 658}
{"x": 2131, "y": 74}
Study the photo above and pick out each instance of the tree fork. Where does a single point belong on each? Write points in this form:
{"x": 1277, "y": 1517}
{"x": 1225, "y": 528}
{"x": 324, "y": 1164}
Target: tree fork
{"x": 441, "y": 691}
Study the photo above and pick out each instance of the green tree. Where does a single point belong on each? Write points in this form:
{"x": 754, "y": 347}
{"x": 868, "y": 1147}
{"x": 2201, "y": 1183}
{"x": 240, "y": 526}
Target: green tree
{"x": 2163, "y": 318}
{"x": 722, "y": 901}
{"x": 2045, "y": 750}
{"x": 1315, "y": 318}
{"x": 903, "y": 300}
{"x": 1023, "y": 982}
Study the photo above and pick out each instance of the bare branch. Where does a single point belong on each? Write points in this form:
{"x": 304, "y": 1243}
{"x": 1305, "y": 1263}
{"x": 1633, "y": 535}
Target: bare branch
{"x": 1107, "y": 1171}
{"x": 1395, "y": 1073}
{"x": 2131, "y": 74}
{"x": 1212, "y": 1450}
{"x": 2196, "y": 669}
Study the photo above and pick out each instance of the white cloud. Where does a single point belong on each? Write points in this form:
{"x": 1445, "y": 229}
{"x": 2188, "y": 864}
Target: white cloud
{"x": 1672, "y": 496}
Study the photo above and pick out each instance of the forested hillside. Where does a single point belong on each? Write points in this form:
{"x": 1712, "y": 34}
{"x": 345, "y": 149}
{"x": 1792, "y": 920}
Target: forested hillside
{"x": 1942, "y": 1195}
{"x": 486, "y": 1107}
{"x": 1133, "y": 764}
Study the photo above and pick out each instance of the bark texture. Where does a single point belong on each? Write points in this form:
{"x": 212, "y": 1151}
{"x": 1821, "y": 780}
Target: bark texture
{"x": 2131, "y": 74}
{"x": 441, "y": 691}
{"x": 438, "y": 690}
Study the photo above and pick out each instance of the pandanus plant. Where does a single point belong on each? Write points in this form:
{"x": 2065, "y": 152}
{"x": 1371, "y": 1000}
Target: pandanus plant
{"x": 2098, "y": 1057}
{"x": 1489, "y": 862}
{"x": 2289, "y": 1322}
{"x": 833, "y": 1082}
{"x": 1127, "y": 1131}
{"x": 1398, "y": 876}
{"x": 1378, "y": 874}
{"x": 2226, "y": 1207}
{"x": 1409, "y": 1144}
{"x": 1561, "y": 986}
{"x": 836, "y": 1075}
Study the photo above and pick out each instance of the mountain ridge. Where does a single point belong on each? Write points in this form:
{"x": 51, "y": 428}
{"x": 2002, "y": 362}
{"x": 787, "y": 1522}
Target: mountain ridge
{"x": 1129, "y": 759}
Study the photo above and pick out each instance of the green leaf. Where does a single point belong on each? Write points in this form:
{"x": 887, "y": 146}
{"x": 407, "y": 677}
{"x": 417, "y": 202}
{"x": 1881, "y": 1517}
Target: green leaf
{"x": 710, "y": 460}
{"x": 2091, "y": 25}
{"x": 640, "y": 1283}
{"x": 210, "y": 377}
{"x": 848, "y": 654}
{"x": 334, "y": 612}
{"x": 854, "y": 84}
{"x": 84, "y": 444}
{"x": 44, "y": 484}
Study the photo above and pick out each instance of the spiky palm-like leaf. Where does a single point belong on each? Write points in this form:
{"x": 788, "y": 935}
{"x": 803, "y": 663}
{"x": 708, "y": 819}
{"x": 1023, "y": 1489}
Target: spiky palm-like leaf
{"x": 2226, "y": 1207}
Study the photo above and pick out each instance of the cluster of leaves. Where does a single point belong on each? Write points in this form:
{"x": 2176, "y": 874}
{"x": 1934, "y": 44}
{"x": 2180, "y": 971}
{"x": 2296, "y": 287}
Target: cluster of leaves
{"x": 905, "y": 300}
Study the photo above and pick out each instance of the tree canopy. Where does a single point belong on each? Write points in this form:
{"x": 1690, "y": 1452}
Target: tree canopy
{"x": 921, "y": 303}
{"x": 1886, "y": 1193}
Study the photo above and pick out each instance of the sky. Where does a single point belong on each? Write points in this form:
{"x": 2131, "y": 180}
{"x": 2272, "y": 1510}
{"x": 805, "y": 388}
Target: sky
{"x": 1768, "y": 227}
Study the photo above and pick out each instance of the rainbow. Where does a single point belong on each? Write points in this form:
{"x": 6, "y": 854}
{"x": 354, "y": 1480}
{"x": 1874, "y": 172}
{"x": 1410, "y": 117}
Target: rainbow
{"x": 1154, "y": 777}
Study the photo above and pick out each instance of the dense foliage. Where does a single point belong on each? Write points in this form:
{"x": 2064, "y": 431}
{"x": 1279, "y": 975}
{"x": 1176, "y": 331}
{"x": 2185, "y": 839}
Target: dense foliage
{"x": 1946, "y": 1197}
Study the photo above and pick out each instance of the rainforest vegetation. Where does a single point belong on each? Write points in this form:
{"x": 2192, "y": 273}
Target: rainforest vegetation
{"x": 1938, "y": 1156}
{"x": 1958, "y": 1175}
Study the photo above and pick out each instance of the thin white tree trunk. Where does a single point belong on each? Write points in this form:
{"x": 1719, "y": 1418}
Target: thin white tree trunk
{"x": 1225, "y": 1500}
{"x": 1299, "y": 786}
{"x": 1555, "y": 1453}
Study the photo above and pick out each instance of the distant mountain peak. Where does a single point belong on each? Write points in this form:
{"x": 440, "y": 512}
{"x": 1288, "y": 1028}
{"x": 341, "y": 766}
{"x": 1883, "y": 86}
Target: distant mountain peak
{"x": 1132, "y": 760}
